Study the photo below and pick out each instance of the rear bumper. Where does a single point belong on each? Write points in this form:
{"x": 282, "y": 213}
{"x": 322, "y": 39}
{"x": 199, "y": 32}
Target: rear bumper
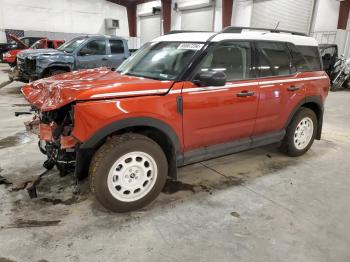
{"x": 9, "y": 60}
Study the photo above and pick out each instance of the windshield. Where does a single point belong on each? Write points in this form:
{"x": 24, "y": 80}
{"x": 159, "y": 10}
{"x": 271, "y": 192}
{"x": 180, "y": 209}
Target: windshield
{"x": 161, "y": 61}
{"x": 37, "y": 45}
{"x": 71, "y": 45}
{"x": 328, "y": 50}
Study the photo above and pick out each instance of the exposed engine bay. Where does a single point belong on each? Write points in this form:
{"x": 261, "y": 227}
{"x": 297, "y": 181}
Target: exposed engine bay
{"x": 55, "y": 141}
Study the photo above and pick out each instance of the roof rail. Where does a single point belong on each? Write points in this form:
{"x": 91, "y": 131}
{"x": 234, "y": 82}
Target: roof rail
{"x": 235, "y": 29}
{"x": 186, "y": 31}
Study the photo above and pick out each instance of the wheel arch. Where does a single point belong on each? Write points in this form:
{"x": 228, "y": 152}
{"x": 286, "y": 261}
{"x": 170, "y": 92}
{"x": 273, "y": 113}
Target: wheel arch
{"x": 315, "y": 104}
{"x": 153, "y": 128}
{"x": 47, "y": 70}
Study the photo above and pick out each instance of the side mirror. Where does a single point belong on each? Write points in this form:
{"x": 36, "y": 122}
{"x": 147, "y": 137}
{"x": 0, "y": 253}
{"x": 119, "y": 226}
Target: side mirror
{"x": 210, "y": 78}
{"x": 85, "y": 52}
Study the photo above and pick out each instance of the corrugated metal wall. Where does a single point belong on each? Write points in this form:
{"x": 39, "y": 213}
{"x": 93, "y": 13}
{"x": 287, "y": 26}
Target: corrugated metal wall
{"x": 150, "y": 28}
{"x": 200, "y": 19}
{"x": 294, "y": 15}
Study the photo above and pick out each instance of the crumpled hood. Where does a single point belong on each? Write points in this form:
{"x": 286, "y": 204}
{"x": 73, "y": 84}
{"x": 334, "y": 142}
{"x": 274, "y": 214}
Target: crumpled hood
{"x": 102, "y": 83}
{"x": 18, "y": 41}
{"x": 36, "y": 52}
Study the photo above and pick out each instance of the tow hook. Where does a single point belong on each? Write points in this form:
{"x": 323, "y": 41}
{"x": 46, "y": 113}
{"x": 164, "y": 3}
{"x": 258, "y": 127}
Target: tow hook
{"x": 31, "y": 186}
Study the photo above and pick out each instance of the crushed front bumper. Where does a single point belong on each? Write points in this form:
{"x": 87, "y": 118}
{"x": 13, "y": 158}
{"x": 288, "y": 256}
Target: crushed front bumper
{"x": 45, "y": 132}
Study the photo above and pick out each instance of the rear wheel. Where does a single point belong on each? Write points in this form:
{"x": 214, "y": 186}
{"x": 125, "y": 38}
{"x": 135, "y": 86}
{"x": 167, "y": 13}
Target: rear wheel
{"x": 128, "y": 172}
{"x": 300, "y": 133}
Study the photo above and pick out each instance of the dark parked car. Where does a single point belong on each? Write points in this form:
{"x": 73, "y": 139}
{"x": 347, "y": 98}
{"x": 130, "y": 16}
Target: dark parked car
{"x": 329, "y": 54}
{"x": 80, "y": 53}
{"x": 17, "y": 43}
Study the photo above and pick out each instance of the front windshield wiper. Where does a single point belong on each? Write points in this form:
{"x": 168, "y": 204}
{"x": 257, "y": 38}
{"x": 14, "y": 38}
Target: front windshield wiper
{"x": 138, "y": 75}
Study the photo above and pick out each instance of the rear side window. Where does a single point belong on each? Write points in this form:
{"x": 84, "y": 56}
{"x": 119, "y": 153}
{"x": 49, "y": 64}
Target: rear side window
{"x": 117, "y": 46}
{"x": 311, "y": 59}
{"x": 273, "y": 59}
{"x": 233, "y": 58}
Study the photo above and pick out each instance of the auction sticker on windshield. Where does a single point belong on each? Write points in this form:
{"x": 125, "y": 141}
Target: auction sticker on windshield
{"x": 190, "y": 46}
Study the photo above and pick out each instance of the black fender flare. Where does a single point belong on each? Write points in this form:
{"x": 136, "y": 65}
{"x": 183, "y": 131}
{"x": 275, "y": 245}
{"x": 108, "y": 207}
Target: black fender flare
{"x": 310, "y": 99}
{"x": 86, "y": 149}
{"x": 132, "y": 122}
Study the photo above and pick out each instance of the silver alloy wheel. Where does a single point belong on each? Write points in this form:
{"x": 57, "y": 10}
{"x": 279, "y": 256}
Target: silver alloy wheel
{"x": 303, "y": 133}
{"x": 132, "y": 176}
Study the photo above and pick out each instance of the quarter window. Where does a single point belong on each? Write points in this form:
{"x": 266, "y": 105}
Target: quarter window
{"x": 274, "y": 59}
{"x": 311, "y": 61}
{"x": 233, "y": 58}
{"x": 305, "y": 58}
{"x": 117, "y": 46}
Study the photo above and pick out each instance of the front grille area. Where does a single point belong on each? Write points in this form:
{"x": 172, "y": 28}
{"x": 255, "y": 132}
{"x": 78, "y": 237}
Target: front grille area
{"x": 26, "y": 65}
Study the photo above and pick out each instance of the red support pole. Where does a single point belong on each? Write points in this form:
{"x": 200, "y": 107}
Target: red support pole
{"x": 131, "y": 10}
{"x": 226, "y": 12}
{"x": 343, "y": 14}
{"x": 166, "y": 11}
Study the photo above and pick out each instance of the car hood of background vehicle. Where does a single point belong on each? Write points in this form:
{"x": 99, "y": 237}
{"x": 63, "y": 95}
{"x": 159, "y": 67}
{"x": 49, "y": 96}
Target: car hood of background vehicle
{"x": 102, "y": 83}
{"x": 36, "y": 52}
{"x": 18, "y": 41}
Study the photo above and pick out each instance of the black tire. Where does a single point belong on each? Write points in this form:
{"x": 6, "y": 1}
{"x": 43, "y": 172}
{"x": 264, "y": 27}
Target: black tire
{"x": 110, "y": 152}
{"x": 288, "y": 146}
{"x": 54, "y": 72}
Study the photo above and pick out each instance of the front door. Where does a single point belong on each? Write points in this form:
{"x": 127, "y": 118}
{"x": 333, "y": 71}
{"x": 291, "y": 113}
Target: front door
{"x": 92, "y": 55}
{"x": 217, "y": 115}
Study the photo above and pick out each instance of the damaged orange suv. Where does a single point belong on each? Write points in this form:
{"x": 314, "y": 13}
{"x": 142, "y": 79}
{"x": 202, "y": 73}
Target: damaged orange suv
{"x": 182, "y": 98}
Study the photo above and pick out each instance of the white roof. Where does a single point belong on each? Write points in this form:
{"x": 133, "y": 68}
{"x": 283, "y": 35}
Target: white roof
{"x": 184, "y": 37}
{"x": 245, "y": 35}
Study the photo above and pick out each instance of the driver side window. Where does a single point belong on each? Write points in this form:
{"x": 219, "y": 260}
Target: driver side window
{"x": 94, "y": 47}
{"x": 232, "y": 58}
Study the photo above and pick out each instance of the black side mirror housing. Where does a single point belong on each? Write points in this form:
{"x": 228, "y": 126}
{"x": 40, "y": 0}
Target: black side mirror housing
{"x": 210, "y": 78}
{"x": 84, "y": 52}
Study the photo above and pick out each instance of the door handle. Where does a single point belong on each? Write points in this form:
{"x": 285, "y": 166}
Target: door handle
{"x": 245, "y": 94}
{"x": 293, "y": 88}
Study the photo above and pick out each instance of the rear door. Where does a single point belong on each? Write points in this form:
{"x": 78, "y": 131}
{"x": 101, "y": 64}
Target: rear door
{"x": 93, "y": 54}
{"x": 216, "y": 115}
{"x": 280, "y": 87}
{"x": 117, "y": 53}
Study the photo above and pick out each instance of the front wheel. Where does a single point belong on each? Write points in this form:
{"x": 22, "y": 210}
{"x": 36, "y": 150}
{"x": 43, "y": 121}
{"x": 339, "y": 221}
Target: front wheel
{"x": 128, "y": 172}
{"x": 54, "y": 72}
{"x": 300, "y": 133}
